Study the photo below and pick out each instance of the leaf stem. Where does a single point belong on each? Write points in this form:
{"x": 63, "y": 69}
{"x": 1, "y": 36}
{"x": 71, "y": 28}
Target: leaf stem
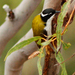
{"x": 68, "y": 58}
{"x": 68, "y": 21}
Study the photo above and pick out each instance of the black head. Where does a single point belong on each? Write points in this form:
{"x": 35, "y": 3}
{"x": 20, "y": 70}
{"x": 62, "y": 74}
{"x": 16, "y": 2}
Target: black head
{"x": 47, "y": 13}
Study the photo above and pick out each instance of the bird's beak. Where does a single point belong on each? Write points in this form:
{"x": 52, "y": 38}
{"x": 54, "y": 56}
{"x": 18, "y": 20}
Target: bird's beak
{"x": 57, "y": 11}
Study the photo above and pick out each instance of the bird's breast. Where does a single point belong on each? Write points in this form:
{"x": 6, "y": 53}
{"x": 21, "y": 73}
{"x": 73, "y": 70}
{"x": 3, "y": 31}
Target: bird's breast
{"x": 38, "y": 25}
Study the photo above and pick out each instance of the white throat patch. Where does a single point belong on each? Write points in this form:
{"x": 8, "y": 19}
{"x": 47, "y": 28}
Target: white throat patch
{"x": 49, "y": 26}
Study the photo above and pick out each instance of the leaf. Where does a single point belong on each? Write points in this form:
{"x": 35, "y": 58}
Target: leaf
{"x": 42, "y": 54}
{"x": 60, "y": 22}
{"x": 60, "y": 59}
{"x": 46, "y": 42}
{"x": 66, "y": 45}
{"x": 39, "y": 66}
{"x": 39, "y": 42}
{"x": 51, "y": 35}
{"x": 22, "y": 44}
{"x": 39, "y": 61}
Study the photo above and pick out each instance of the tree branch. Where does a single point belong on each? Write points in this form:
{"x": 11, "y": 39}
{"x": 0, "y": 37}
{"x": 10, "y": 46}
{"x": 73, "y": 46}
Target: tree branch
{"x": 10, "y": 27}
{"x": 15, "y": 61}
{"x": 52, "y": 4}
{"x": 52, "y": 70}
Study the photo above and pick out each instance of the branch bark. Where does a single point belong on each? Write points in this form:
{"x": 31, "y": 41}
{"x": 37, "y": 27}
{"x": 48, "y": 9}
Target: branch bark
{"x": 52, "y": 4}
{"x": 52, "y": 70}
{"x": 15, "y": 61}
{"x": 9, "y": 28}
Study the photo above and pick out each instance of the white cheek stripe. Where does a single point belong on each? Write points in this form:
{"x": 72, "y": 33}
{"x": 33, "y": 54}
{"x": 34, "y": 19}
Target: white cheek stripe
{"x": 43, "y": 15}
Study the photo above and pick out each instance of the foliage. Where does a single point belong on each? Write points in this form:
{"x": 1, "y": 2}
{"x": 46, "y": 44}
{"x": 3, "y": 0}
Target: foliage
{"x": 39, "y": 61}
{"x": 60, "y": 20}
{"x": 59, "y": 57}
{"x": 60, "y": 23}
{"x": 66, "y": 45}
{"x": 22, "y": 44}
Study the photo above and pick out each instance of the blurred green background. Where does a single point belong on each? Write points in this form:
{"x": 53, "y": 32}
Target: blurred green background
{"x": 32, "y": 64}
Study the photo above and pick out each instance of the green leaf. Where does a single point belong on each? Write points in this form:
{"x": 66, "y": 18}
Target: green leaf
{"x": 60, "y": 59}
{"x": 39, "y": 42}
{"x": 60, "y": 22}
{"x": 42, "y": 54}
{"x": 66, "y": 45}
{"x": 51, "y": 36}
{"x": 46, "y": 42}
{"x": 22, "y": 44}
{"x": 39, "y": 66}
{"x": 39, "y": 61}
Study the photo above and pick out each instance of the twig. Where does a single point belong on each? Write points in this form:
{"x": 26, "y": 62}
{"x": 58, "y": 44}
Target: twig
{"x": 34, "y": 54}
{"x": 68, "y": 58}
{"x": 10, "y": 13}
{"x": 68, "y": 21}
{"x": 53, "y": 39}
{"x": 65, "y": 60}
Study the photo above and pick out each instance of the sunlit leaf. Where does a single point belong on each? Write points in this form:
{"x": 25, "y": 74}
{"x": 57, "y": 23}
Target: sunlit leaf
{"x": 60, "y": 22}
{"x": 39, "y": 42}
{"x": 60, "y": 59}
{"x": 22, "y": 44}
{"x": 66, "y": 45}
{"x": 46, "y": 42}
{"x": 39, "y": 66}
{"x": 42, "y": 54}
{"x": 51, "y": 36}
{"x": 39, "y": 61}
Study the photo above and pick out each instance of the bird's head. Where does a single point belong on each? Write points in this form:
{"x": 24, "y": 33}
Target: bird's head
{"x": 48, "y": 13}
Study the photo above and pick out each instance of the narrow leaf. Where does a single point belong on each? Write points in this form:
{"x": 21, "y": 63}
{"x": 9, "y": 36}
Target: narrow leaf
{"x": 39, "y": 66}
{"x": 60, "y": 59}
{"x": 46, "y": 42}
{"x": 66, "y": 45}
{"x": 60, "y": 22}
{"x": 39, "y": 61}
{"x": 22, "y": 44}
{"x": 51, "y": 36}
{"x": 42, "y": 54}
{"x": 39, "y": 42}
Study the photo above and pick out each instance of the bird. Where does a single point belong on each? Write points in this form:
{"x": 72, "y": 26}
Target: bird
{"x": 40, "y": 24}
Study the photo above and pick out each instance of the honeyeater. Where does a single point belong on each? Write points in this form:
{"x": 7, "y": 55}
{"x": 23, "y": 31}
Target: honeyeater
{"x": 40, "y": 24}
